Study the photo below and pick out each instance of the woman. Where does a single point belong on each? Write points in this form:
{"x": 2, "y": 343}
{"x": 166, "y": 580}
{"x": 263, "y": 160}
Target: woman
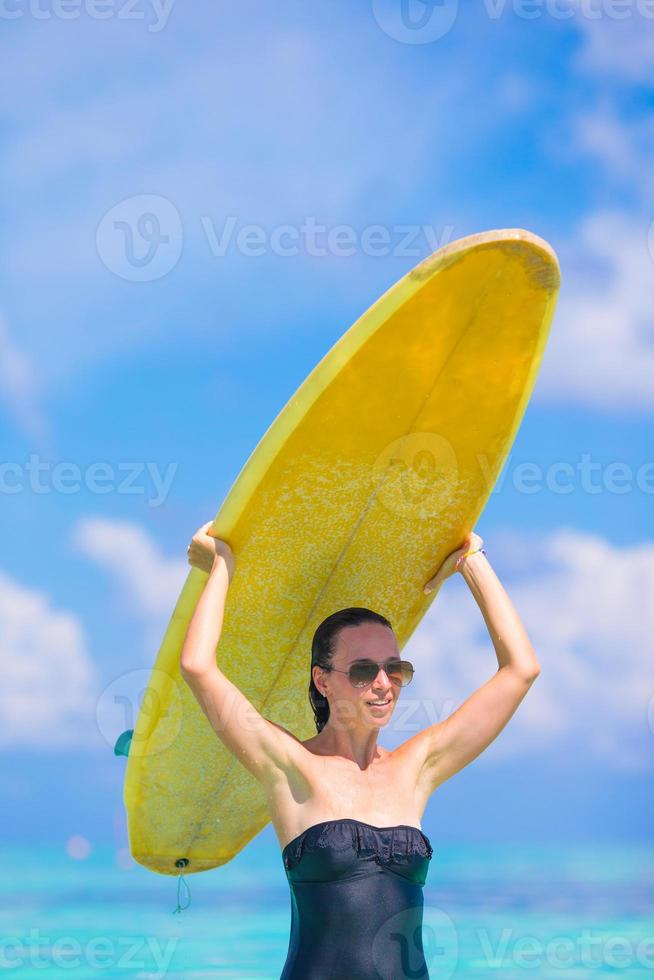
{"x": 346, "y": 811}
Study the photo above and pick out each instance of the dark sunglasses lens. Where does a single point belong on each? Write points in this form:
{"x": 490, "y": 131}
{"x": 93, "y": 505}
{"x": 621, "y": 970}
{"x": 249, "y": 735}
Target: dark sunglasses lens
{"x": 403, "y": 672}
{"x": 362, "y": 674}
{"x": 399, "y": 671}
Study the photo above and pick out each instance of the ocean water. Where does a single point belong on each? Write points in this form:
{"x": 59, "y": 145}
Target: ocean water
{"x": 503, "y": 911}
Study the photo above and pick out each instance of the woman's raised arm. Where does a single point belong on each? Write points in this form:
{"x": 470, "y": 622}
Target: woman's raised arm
{"x": 446, "y": 747}
{"x": 263, "y": 747}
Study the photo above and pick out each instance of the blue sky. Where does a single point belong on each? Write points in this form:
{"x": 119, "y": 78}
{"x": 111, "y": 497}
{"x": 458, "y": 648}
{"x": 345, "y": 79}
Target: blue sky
{"x": 276, "y": 118}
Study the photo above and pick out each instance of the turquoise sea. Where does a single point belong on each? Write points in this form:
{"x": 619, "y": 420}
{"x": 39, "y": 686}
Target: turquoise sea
{"x": 504, "y": 911}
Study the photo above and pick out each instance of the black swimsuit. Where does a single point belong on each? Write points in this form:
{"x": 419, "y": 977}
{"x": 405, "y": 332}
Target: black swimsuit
{"x": 356, "y": 902}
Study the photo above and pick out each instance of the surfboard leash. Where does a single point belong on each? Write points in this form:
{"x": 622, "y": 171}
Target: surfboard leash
{"x": 181, "y": 863}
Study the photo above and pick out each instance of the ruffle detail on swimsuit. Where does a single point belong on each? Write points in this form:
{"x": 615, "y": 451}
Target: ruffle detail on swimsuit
{"x": 393, "y": 845}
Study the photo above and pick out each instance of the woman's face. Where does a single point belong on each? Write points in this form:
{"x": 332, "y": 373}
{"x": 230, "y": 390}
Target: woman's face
{"x": 356, "y": 706}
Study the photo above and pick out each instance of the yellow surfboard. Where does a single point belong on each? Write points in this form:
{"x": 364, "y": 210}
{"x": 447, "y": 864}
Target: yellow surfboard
{"x": 374, "y": 471}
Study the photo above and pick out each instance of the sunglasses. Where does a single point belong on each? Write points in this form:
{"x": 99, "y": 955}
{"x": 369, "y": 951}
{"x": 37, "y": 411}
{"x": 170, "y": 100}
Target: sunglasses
{"x": 363, "y": 672}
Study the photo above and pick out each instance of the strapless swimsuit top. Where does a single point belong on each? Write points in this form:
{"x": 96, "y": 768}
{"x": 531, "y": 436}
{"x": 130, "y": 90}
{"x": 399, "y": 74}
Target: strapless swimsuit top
{"x": 356, "y": 901}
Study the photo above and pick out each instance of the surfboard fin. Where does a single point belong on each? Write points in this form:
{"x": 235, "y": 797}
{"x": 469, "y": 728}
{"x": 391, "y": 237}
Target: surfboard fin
{"x": 123, "y": 742}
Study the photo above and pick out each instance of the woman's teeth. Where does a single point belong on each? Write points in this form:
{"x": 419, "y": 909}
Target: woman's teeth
{"x": 379, "y": 704}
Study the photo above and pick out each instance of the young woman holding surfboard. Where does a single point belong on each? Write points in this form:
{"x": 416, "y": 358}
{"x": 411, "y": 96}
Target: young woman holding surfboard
{"x": 346, "y": 811}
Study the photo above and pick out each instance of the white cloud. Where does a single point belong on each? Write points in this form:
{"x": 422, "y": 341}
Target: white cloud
{"x": 48, "y": 679}
{"x": 150, "y": 582}
{"x": 601, "y": 348}
{"x": 622, "y": 146}
{"x": 586, "y": 605}
{"x": 52, "y": 695}
{"x": 193, "y": 128}
{"x": 516, "y": 93}
{"x": 102, "y": 144}
{"x": 19, "y": 385}
{"x": 108, "y": 142}
{"x": 618, "y": 48}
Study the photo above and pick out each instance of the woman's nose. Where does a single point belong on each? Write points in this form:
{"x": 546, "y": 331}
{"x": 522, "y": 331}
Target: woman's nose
{"x": 382, "y": 679}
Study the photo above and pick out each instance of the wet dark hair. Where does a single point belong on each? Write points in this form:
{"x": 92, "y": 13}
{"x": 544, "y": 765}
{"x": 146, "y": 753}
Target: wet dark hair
{"x": 323, "y": 647}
